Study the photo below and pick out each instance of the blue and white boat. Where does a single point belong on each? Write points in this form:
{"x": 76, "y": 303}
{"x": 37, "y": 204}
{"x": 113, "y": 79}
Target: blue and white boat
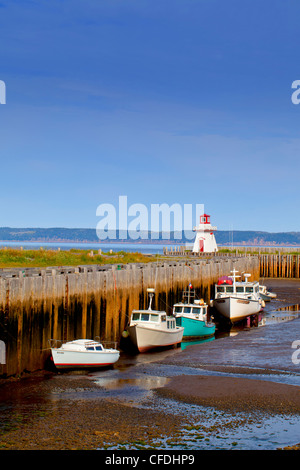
{"x": 192, "y": 315}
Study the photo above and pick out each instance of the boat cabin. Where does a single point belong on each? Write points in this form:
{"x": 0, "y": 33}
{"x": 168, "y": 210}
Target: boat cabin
{"x": 152, "y": 318}
{"x": 83, "y": 345}
{"x": 239, "y": 287}
{"x": 229, "y": 285}
{"x": 182, "y": 308}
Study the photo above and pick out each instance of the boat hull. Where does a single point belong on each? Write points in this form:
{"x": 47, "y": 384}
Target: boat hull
{"x": 235, "y": 309}
{"x": 267, "y": 297}
{"x": 64, "y": 359}
{"x": 194, "y": 328}
{"x": 145, "y": 338}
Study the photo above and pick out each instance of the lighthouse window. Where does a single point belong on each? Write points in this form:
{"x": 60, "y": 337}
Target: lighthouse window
{"x": 203, "y": 220}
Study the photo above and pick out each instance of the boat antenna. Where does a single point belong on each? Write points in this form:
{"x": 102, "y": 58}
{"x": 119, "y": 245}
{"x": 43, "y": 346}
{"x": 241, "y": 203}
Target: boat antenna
{"x": 189, "y": 293}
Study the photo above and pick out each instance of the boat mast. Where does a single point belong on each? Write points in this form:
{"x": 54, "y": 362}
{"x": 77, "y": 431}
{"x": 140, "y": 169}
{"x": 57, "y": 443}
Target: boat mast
{"x": 234, "y": 278}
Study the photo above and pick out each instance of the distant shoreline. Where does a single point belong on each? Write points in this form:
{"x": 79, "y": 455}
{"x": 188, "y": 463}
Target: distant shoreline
{"x": 226, "y": 238}
{"x": 146, "y": 242}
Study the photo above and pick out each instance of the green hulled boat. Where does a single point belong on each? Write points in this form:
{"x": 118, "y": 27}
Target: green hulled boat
{"x": 192, "y": 315}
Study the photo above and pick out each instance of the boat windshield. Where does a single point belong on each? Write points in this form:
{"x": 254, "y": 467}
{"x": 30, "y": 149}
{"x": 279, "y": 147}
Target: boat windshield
{"x": 198, "y": 310}
{"x": 229, "y": 288}
{"x": 187, "y": 309}
{"x": 145, "y": 317}
{"x": 178, "y": 309}
{"x": 249, "y": 289}
{"x": 224, "y": 288}
{"x": 154, "y": 317}
{"x": 92, "y": 348}
{"x": 240, "y": 289}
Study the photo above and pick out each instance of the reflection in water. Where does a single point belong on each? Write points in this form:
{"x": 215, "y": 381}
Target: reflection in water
{"x": 146, "y": 383}
{"x": 185, "y": 344}
{"x": 266, "y": 317}
{"x": 290, "y": 308}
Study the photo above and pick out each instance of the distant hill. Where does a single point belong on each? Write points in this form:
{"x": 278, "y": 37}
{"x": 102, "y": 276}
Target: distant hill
{"x": 257, "y": 238}
{"x": 223, "y": 237}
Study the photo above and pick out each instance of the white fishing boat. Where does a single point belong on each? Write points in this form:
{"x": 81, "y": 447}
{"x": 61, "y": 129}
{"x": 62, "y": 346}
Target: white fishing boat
{"x": 237, "y": 300}
{"x": 82, "y": 353}
{"x": 265, "y": 294}
{"x": 149, "y": 329}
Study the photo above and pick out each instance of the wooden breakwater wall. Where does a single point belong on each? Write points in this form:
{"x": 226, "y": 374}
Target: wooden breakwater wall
{"x": 87, "y": 301}
{"x": 283, "y": 266}
{"x": 182, "y": 250}
{"x": 279, "y": 265}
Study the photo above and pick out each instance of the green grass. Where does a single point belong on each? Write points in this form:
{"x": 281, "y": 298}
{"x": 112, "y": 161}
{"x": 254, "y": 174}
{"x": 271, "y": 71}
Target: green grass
{"x": 10, "y": 258}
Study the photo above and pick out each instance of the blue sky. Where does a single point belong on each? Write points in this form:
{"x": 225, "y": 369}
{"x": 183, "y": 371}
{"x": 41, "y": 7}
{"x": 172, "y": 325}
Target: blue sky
{"x": 176, "y": 101}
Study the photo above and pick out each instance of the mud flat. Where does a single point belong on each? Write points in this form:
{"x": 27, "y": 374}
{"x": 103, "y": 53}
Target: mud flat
{"x": 265, "y": 354}
{"x": 232, "y": 393}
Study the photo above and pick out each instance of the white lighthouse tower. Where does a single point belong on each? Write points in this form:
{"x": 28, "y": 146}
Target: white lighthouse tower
{"x": 205, "y": 241}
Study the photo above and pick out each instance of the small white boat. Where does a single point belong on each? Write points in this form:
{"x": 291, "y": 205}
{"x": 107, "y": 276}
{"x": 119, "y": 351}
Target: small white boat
{"x": 149, "y": 329}
{"x": 237, "y": 300}
{"x": 82, "y": 353}
{"x": 265, "y": 294}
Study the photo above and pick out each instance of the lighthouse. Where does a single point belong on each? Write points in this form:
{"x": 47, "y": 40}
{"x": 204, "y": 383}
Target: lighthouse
{"x": 205, "y": 241}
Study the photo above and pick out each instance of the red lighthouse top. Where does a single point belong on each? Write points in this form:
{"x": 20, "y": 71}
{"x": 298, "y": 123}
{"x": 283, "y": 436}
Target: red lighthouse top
{"x": 205, "y": 219}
